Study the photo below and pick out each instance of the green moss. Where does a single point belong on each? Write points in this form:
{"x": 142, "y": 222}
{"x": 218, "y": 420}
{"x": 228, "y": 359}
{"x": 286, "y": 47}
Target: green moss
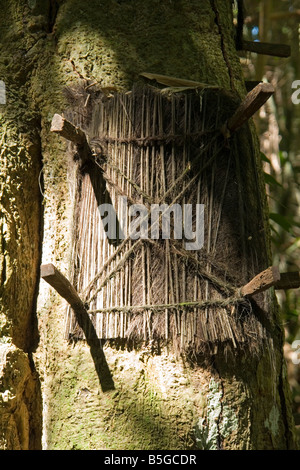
{"x": 134, "y": 416}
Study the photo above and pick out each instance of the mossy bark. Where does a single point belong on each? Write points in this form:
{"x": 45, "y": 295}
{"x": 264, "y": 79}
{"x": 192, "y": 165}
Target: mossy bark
{"x": 160, "y": 401}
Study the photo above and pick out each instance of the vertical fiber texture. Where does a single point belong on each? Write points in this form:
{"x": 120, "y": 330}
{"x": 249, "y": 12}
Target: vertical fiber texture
{"x": 158, "y": 147}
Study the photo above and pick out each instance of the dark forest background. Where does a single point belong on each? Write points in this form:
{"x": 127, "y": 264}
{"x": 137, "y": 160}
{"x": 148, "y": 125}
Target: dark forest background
{"x": 278, "y": 125}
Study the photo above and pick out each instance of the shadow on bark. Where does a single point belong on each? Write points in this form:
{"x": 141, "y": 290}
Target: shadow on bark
{"x": 95, "y": 345}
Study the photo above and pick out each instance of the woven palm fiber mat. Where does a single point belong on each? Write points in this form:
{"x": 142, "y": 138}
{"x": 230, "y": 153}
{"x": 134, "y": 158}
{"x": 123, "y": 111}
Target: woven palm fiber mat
{"x": 151, "y": 146}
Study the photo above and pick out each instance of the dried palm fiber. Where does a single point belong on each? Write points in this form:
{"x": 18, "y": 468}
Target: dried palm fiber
{"x": 155, "y": 147}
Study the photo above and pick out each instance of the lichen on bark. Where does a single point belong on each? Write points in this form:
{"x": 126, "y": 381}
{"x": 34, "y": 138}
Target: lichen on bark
{"x": 220, "y": 422}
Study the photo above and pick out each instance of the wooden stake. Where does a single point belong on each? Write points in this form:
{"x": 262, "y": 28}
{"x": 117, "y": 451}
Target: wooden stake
{"x": 67, "y": 130}
{"x": 175, "y": 82}
{"x": 288, "y": 281}
{"x": 61, "y": 284}
{"x": 279, "y": 15}
{"x": 263, "y": 281}
{"x": 265, "y": 48}
{"x": 254, "y": 100}
{"x": 70, "y": 132}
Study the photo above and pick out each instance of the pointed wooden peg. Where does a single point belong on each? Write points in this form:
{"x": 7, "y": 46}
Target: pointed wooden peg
{"x": 279, "y": 15}
{"x": 174, "y": 81}
{"x": 288, "y": 281}
{"x": 254, "y": 100}
{"x": 61, "y": 284}
{"x": 76, "y": 135}
{"x": 67, "y": 130}
{"x": 265, "y": 48}
{"x": 261, "y": 282}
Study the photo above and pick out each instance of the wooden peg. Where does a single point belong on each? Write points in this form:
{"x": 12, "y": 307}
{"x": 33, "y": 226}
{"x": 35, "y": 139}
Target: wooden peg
{"x": 67, "y": 130}
{"x": 288, "y": 281}
{"x": 175, "y": 82}
{"x": 254, "y": 100}
{"x": 61, "y": 284}
{"x": 263, "y": 281}
{"x": 280, "y": 15}
{"x": 265, "y": 48}
{"x": 76, "y": 135}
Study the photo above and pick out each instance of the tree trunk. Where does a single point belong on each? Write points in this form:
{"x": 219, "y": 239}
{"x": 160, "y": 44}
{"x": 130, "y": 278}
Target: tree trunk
{"x": 160, "y": 400}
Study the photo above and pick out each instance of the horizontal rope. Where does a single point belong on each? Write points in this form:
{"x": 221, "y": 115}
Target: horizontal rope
{"x": 218, "y": 303}
{"x": 153, "y": 140}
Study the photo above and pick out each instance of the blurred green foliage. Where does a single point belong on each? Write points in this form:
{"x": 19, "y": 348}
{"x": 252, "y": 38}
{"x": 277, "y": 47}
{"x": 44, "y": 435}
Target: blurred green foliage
{"x": 278, "y": 126}
{"x": 279, "y": 129}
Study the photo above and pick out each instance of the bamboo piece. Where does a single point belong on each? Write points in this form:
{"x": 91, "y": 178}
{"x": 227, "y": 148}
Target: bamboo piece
{"x": 144, "y": 279}
{"x": 263, "y": 281}
{"x": 61, "y": 284}
{"x": 288, "y": 281}
{"x": 147, "y": 189}
{"x": 175, "y": 82}
{"x": 254, "y": 100}
{"x": 66, "y": 129}
{"x": 130, "y": 193}
{"x": 279, "y": 15}
{"x": 163, "y": 189}
{"x": 181, "y": 314}
{"x": 265, "y": 48}
{"x": 74, "y": 134}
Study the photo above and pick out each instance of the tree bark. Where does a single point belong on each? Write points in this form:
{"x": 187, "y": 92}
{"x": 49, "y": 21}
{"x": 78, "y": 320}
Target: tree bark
{"x": 159, "y": 400}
